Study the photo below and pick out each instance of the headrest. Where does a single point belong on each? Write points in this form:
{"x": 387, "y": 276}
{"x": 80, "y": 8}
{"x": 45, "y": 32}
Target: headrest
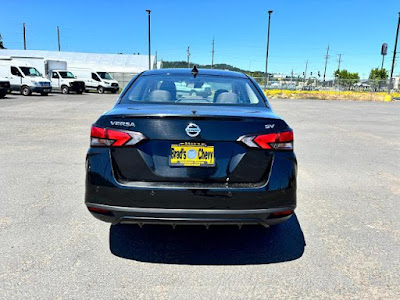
{"x": 227, "y": 97}
{"x": 217, "y": 93}
{"x": 160, "y": 96}
{"x": 170, "y": 87}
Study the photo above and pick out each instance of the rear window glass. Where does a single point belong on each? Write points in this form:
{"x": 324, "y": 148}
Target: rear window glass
{"x": 186, "y": 89}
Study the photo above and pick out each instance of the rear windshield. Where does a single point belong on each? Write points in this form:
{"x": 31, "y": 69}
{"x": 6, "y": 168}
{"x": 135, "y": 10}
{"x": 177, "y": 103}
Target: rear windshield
{"x": 186, "y": 89}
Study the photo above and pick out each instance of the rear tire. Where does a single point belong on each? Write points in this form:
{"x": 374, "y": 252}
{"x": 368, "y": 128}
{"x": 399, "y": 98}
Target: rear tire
{"x": 64, "y": 89}
{"x": 3, "y": 94}
{"x": 100, "y": 90}
{"x": 79, "y": 92}
{"x": 26, "y": 91}
{"x": 44, "y": 94}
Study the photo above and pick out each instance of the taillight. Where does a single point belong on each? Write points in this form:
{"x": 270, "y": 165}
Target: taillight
{"x": 104, "y": 137}
{"x": 275, "y": 141}
{"x": 281, "y": 213}
{"x": 99, "y": 211}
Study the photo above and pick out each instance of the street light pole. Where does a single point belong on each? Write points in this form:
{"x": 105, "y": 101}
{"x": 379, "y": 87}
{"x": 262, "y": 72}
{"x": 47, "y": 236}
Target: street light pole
{"x": 266, "y": 77}
{"x": 394, "y": 55}
{"x": 149, "y": 11}
{"x": 58, "y": 37}
{"x": 24, "y": 36}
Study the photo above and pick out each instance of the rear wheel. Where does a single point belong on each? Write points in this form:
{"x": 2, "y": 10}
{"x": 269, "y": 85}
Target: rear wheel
{"x": 100, "y": 90}
{"x": 26, "y": 91}
{"x": 114, "y": 91}
{"x": 65, "y": 90}
{"x": 79, "y": 92}
{"x": 3, "y": 94}
{"x": 44, "y": 94}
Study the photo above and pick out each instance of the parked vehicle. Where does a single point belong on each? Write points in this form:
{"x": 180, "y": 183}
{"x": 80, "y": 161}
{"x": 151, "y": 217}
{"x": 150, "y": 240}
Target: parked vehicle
{"x": 4, "y": 87}
{"x": 56, "y": 71}
{"x": 96, "y": 81}
{"x": 24, "y": 77}
{"x": 166, "y": 157}
{"x": 65, "y": 82}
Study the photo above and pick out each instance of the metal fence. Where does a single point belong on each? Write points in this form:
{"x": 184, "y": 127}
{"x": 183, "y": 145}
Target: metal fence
{"x": 337, "y": 84}
{"x": 122, "y": 78}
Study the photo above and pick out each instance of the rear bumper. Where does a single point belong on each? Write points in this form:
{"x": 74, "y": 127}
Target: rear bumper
{"x": 126, "y": 215}
{"x": 190, "y": 204}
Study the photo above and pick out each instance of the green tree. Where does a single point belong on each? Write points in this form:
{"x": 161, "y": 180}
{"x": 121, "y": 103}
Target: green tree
{"x": 378, "y": 74}
{"x": 1, "y": 43}
{"x": 378, "y": 78}
{"x": 347, "y": 78}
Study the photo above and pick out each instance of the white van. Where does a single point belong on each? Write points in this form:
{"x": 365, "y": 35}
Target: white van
{"x": 24, "y": 78}
{"x": 99, "y": 81}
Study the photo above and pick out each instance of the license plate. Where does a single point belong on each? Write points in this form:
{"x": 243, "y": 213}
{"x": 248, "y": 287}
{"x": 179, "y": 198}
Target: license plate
{"x": 46, "y": 90}
{"x": 192, "y": 155}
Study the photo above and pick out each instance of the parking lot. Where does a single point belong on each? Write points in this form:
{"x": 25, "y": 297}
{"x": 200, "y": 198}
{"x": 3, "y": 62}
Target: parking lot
{"x": 343, "y": 242}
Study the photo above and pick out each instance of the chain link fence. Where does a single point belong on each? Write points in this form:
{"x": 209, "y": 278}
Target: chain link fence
{"x": 122, "y": 78}
{"x": 337, "y": 84}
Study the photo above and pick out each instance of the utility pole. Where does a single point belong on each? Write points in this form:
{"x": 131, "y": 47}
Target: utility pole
{"x": 212, "y": 55}
{"x": 188, "y": 56}
{"x": 339, "y": 61}
{"x": 305, "y": 71}
{"x": 326, "y": 61}
{"x": 149, "y": 11}
{"x": 338, "y": 75}
{"x": 58, "y": 37}
{"x": 24, "y": 36}
{"x": 266, "y": 77}
{"x": 394, "y": 54}
{"x": 291, "y": 77}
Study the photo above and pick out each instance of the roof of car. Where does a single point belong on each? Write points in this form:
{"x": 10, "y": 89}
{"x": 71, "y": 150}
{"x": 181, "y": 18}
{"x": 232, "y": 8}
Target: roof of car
{"x": 212, "y": 72}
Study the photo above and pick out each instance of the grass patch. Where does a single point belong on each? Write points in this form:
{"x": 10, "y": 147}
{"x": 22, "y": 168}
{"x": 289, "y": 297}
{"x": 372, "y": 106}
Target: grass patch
{"x": 331, "y": 95}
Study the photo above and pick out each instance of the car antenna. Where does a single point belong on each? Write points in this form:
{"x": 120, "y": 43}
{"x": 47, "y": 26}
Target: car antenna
{"x": 195, "y": 71}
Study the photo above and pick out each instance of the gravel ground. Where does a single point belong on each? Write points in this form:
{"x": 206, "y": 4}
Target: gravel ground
{"x": 343, "y": 242}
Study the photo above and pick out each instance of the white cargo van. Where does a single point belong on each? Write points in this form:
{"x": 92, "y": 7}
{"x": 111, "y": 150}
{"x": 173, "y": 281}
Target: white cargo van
{"x": 99, "y": 81}
{"x": 62, "y": 80}
{"x": 24, "y": 77}
{"x": 56, "y": 71}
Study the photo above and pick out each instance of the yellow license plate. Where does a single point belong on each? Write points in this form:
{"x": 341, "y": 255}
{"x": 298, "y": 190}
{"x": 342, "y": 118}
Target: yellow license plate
{"x": 192, "y": 155}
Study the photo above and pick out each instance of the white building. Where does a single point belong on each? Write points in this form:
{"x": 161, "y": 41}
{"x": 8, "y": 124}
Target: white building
{"x": 121, "y": 66}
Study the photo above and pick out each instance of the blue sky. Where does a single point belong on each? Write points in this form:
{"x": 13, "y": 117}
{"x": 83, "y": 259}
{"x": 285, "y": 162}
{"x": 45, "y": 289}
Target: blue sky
{"x": 300, "y": 30}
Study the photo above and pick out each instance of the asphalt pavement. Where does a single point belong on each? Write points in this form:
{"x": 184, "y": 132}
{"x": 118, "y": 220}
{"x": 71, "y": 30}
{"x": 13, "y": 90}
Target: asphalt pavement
{"x": 342, "y": 243}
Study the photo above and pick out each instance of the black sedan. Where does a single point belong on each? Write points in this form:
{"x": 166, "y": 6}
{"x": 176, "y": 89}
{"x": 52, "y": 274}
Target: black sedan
{"x": 165, "y": 156}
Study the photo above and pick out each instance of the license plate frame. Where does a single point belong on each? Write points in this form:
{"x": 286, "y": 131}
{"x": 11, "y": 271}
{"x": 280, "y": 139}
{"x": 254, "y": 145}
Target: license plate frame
{"x": 192, "y": 155}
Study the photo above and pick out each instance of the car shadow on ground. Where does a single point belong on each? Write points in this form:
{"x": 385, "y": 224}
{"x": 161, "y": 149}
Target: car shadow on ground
{"x": 219, "y": 245}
